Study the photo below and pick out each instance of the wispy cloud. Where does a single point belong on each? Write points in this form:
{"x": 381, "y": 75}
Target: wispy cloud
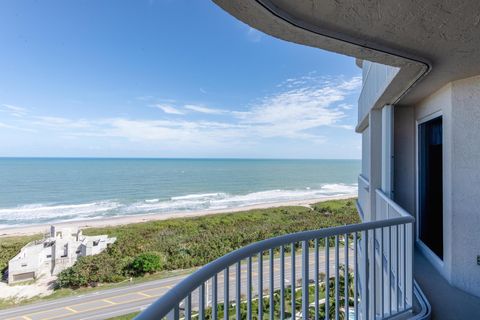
{"x": 296, "y": 110}
{"x": 203, "y": 109}
{"x": 168, "y": 109}
{"x": 63, "y": 123}
{"x": 14, "y": 110}
{"x": 11, "y": 127}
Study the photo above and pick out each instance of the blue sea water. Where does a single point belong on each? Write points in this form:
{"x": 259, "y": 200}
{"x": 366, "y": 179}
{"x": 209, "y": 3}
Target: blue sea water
{"x": 46, "y": 190}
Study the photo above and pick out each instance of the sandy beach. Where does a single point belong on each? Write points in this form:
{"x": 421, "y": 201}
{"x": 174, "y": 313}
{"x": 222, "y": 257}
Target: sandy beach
{"x": 124, "y": 220}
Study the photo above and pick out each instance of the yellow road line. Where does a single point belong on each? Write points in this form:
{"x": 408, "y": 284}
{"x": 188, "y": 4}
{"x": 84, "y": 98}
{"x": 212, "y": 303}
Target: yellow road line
{"x": 164, "y": 287}
{"x": 144, "y": 294}
{"x": 71, "y": 310}
{"x": 108, "y": 301}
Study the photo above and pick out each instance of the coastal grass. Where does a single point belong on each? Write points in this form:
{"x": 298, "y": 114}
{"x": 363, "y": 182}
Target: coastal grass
{"x": 185, "y": 243}
{"x": 126, "y": 316}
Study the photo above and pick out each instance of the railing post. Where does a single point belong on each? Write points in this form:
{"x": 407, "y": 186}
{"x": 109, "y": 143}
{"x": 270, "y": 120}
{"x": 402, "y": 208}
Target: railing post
{"x": 282, "y": 282}
{"x": 226, "y": 303}
{"x": 249, "y": 288}
{"x": 272, "y": 285}
{"x": 337, "y": 280}
{"x": 260, "y": 285}
{"x": 238, "y": 287}
{"x": 174, "y": 314}
{"x": 327, "y": 279}
{"x": 305, "y": 279}
{"x": 316, "y": 269}
{"x": 294, "y": 316}
{"x": 214, "y": 296}
{"x": 365, "y": 283}
{"x": 346, "y": 276}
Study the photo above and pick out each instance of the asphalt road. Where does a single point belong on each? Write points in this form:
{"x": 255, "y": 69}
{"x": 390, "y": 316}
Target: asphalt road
{"x": 105, "y": 304}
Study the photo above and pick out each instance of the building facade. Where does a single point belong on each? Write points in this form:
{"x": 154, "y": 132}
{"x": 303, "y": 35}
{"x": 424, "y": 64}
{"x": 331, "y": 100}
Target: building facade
{"x": 418, "y": 190}
{"x": 56, "y": 252}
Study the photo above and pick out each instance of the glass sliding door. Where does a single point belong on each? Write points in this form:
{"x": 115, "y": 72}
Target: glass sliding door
{"x": 430, "y": 193}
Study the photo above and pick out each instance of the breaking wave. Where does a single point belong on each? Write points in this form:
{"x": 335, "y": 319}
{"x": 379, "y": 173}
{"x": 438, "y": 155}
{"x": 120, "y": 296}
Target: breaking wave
{"x": 48, "y": 213}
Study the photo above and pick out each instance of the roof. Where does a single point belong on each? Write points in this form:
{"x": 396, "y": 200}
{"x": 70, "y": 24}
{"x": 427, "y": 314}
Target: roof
{"x": 438, "y": 41}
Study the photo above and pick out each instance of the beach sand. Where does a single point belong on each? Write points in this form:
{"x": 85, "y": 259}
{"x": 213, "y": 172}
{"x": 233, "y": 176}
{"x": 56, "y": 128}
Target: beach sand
{"x": 124, "y": 220}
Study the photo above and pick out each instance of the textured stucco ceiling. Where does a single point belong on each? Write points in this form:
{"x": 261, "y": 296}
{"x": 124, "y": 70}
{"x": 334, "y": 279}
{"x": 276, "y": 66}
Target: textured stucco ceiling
{"x": 441, "y": 37}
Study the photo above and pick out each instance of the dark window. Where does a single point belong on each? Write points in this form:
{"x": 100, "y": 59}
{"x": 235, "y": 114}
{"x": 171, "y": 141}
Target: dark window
{"x": 431, "y": 185}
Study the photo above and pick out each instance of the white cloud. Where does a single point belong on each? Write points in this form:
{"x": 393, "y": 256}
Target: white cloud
{"x": 202, "y": 109}
{"x": 295, "y": 111}
{"x": 8, "y": 126}
{"x": 63, "y": 123}
{"x": 14, "y": 110}
{"x": 168, "y": 109}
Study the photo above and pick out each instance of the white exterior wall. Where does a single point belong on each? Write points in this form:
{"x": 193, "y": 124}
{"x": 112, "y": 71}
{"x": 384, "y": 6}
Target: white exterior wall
{"x": 67, "y": 246}
{"x": 465, "y": 181}
{"x": 375, "y": 79}
{"x": 459, "y": 105}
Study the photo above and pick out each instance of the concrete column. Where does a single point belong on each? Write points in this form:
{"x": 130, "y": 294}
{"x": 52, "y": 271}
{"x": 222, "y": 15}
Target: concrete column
{"x": 375, "y": 124}
{"x": 387, "y": 151}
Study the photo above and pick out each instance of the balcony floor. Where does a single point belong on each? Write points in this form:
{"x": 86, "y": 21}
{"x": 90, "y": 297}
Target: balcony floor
{"x": 447, "y": 302}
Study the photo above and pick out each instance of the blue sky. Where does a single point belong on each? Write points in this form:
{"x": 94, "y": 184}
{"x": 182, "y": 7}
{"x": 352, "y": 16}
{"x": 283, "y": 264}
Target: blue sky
{"x": 163, "y": 78}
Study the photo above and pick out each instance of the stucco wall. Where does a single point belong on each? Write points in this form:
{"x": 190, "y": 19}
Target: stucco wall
{"x": 366, "y": 153}
{"x": 440, "y": 102}
{"x": 404, "y": 157}
{"x": 459, "y": 103}
{"x": 466, "y": 184}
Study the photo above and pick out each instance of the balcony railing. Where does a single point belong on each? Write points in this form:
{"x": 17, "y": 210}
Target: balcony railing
{"x": 363, "y": 195}
{"x": 376, "y": 78}
{"x": 321, "y": 274}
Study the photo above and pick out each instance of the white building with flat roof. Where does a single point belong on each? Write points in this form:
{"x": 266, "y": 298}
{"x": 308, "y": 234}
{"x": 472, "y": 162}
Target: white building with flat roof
{"x": 56, "y": 252}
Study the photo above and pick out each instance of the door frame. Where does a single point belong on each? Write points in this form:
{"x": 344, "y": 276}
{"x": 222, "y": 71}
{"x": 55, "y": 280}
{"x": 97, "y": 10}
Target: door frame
{"x": 432, "y": 256}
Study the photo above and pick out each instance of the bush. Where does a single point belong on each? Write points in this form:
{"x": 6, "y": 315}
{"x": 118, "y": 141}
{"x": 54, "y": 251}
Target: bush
{"x": 90, "y": 270}
{"x": 146, "y": 263}
{"x": 191, "y": 242}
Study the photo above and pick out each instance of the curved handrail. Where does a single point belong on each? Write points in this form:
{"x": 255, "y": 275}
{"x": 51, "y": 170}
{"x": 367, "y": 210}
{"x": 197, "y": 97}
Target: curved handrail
{"x": 167, "y": 302}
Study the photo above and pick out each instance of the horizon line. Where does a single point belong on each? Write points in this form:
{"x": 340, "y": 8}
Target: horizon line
{"x": 168, "y": 158}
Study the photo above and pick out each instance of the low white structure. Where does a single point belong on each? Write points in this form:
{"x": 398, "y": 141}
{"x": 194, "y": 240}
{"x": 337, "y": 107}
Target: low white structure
{"x": 56, "y": 252}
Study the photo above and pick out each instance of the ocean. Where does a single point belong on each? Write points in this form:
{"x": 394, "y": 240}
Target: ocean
{"x": 48, "y": 190}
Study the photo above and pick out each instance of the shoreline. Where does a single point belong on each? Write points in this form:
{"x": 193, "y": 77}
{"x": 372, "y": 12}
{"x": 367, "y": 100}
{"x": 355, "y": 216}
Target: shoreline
{"x": 131, "y": 219}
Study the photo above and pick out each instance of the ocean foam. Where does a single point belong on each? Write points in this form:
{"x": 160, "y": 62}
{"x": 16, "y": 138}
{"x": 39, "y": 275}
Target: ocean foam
{"x": 48, "y": 213}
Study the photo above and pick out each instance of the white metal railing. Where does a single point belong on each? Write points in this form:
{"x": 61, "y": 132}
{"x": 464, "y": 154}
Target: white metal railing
{"x": 394, "y": 251}
{"x": 375, "y": 80}
{"x": 308, "y": 275}
{"x": 363, "y": 194}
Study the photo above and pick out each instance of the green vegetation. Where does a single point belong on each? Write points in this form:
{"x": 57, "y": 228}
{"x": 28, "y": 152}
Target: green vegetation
{"x": 147, "y": 263}
{"x": 185, "y": 243}
{"x": 190, "y": 242}
{"x": 126, "y": 316}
